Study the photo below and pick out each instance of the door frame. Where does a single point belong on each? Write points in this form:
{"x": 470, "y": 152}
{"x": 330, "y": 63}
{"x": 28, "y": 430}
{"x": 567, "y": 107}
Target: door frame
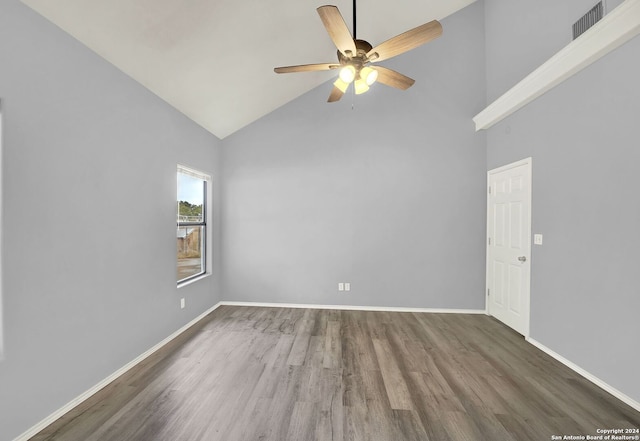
{"x": 526, "y": 162}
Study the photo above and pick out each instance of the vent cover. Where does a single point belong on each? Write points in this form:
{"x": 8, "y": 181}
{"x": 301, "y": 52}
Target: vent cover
{"x": 587, "y": 20}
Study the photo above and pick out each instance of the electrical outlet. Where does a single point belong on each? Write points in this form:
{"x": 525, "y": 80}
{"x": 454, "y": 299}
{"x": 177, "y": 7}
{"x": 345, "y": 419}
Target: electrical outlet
{"x": 347, "y": 286}
{"x": 340, "y": 286}
{"x": 182, "y": 303}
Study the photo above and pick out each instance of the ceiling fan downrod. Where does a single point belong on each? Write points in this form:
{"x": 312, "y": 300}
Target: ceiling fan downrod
{"x": 354, "y": 20}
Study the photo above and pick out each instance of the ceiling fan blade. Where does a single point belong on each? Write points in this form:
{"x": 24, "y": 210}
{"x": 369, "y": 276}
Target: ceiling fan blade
{"x": 337, "y": 29}
{"x": 392, "y": 78}
{"x": 306, "y": 68}
{"x": 406, "y": 41}
{"x": 335, "y": 95}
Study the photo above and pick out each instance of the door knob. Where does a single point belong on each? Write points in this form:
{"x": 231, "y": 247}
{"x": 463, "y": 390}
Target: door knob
{"x": 522, "y": 259}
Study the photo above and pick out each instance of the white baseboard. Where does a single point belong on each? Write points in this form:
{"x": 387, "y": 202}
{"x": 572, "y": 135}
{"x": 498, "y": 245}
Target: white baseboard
{"x": 595, "y": 380}
{"x": 86, "y": 395}
{"x": 356, "y": 308}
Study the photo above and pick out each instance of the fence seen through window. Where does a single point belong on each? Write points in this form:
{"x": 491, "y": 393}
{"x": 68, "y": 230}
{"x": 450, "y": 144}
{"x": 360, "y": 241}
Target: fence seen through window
{"x": 191, "y": 224}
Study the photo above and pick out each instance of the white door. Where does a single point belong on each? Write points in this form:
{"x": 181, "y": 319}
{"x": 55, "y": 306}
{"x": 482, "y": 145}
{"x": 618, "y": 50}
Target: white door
{"x": 509, "y": 244}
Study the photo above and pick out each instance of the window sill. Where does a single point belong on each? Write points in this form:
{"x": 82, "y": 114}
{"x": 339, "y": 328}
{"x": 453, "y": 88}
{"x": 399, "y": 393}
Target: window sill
{"x": 194, "y": 280}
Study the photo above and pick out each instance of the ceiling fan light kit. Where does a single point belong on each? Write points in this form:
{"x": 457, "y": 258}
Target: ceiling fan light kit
{"x": 369, "y": 75}
{"x": 360, "y": 86}
{"x": 341, "y": 85}
{"x": 347, "y": 74}
{"x": 355, "y": 56}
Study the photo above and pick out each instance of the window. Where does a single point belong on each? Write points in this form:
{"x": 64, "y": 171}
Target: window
{"x": 191, "y": 223}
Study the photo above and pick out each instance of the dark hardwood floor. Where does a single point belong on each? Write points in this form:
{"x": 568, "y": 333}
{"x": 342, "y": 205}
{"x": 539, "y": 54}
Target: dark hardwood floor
{"x": 277, "y": 374}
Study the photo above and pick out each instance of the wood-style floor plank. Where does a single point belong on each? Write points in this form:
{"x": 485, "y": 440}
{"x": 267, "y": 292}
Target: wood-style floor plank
{"x": 283, "y": 374}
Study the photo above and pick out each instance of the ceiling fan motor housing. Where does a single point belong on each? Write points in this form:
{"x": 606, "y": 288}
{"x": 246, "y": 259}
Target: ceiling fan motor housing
{"x": 360, "y": 59}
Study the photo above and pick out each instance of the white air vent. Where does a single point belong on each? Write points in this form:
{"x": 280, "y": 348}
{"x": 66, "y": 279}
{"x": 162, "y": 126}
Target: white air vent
{"x": 587, "y": 20}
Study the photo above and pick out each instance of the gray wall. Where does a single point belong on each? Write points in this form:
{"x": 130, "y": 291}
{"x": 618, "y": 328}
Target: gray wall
{"x": 388, "y": 195}
{"x": 89, "y": 209}
{"x": 583, "y": 137}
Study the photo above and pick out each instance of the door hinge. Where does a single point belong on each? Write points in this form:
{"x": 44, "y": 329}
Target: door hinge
{"x": 489, "y": 189}
{"x": 488, "y": 292}
{"x": 489, "y": 241}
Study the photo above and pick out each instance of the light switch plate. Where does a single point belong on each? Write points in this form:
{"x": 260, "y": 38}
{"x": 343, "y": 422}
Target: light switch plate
{"x": 347, "y": 286}
{"x": 537, "y": 239}
{"x": 340, "y": 286}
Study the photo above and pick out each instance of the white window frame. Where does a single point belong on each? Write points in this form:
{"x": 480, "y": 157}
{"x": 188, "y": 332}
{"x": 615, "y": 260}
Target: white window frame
{"x": 208, "y": 234}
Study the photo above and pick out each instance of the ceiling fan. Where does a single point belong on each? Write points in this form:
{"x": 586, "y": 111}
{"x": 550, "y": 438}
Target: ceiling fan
{"x": 355, "y": 56}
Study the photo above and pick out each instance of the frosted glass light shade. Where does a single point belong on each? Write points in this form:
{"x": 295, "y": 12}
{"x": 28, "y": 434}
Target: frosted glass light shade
{"x": 341, "y": 85}
{"x": 369, "y": 75}
{"x": 348, "y": 74}
{"x": 361, "y": 86}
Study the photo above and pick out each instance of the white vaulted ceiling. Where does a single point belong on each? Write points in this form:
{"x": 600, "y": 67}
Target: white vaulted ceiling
{"x": 213, "y": 60}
